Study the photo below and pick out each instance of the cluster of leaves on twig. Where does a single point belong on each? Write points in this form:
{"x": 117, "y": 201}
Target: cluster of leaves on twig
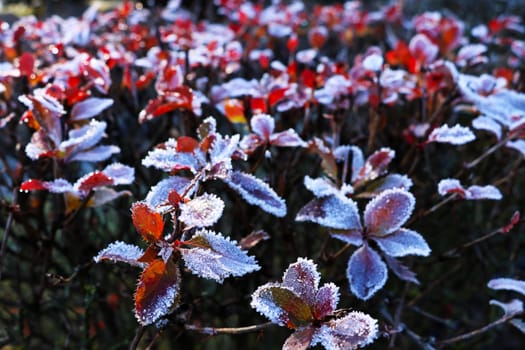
{"x": 291, "y": 130}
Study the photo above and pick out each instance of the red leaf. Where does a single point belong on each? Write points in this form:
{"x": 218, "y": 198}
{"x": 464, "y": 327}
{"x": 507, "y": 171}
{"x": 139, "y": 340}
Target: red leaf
{"x": 93, "y": 180}
{"x": 149, "y": 255}
{"x": 148, "y": 223}
{"x": 388, "y": 211}
{"x": 180, "y": 97}
{"x": 157, "y": 291}
{"x": 32, "y": 185}
{"x": 26, "y": 64}
{"x": 276, "y": 95}
{"x": 186, "y": 144}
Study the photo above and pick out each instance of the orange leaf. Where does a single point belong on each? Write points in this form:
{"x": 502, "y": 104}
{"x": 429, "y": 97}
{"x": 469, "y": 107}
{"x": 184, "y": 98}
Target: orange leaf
{"x": 234, "y": 110}
{"x": 148, "y": 222}
{"x": 186, "y": 144}
{"x": 157, "y": 291}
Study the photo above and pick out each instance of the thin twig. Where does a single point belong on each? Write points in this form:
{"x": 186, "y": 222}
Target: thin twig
{"x": 478, "y": 331}
{"x": 235, "y": 330}
{"x": 7, "y": 230}
{"x": 138, "y": 335}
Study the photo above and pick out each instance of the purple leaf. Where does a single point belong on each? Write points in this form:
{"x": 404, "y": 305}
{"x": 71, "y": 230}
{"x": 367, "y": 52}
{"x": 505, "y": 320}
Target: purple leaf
{"x": 202, "y": 211}
{"x": 388, "y": 211}
{"x": 354, "y": 237}
{"x": 336, "y": 212}
{"x": 300, "y": 339}
{"x": 256, "y": 192}
{"x": 326, "y": 301}
{"x": 487, "y": 124}
{"x": 302, "y": 277}
{"x": 216, "y": 257}
{"x": 120, "y": 251}
{"x": 90, "y": 107}
{"x": 507, "y": 284}
{"x": 400, "y": 270}
{"x": 456, "y": 135}
{"x": 403, "y": 242}
{"x": 366, "y": 272}
{"x": 353, "y": 331}
{"x": 287, "y": 138}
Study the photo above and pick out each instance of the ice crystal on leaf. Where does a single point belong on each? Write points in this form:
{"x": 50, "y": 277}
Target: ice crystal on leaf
{"x": 157, "y": 197}
{"x": 215, "y": 257}
{"x": 453, "y": 186}
{"x": 202, "y": 211}
{"x": 383, "y": 219}
{"x": 120, "y": 251}
{"x": 299, "y": 304}
{"x": 514, "y": 307}
{"x": 456, "y": 135}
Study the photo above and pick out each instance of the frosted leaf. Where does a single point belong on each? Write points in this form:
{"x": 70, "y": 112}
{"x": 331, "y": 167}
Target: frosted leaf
{"x": 253, "y": 238}
{"x": 483, "y": 192}
{"x": 373, "y": 62}
{"x": 95, "y": 154}
{"x": 354, "y": 154}
{"x": 366, "y": 272}
{"x": 89, "y": 108}
{"x": 120, "y": 174}
{"x": 85, "y": 137}
{"x": 447, "y": 186}
{"x": 487, "y": 124}
{"x": 518, "y": 145}
{"x": 456, "y": 135}
{"x": 336, "y": 212}
{"x": 388, "y": 211}
{"x": 507, "y": 284}
{"x": 168, "y": 159}
{"x": 302, "y": 277}
{"x": 59, "y": 186}
{"x": 223, "y": 149}
{"x": 105, "y": 195}
{"x": 512, "y": 307}
{"x": 375, "y": 165}
{"x": 207, "y": 127}
{"x": 387, "y": 182}
{"x": 157, "y": 291}
{"x": 262, "y": 125}
{"x": 122, "y": 252}
{"x": 354, "y": 237}
{"x": 403, "y": 242}
{"x": 423, "y": 49}
{"x": 287, "y": 138}
{"x": 320, "y": 187}
{"x": 326, "y": 301}
{"x": 256, "y": 192}
{"x": 353, "y": 331}
{"x": 217, "y": 257}
{"x": 38, "y": 145}
{"x": 300, "y": 339}
{"x": 202, "y": 211}
{"x": 519, "y": 324}
{"x": 157, "y": 197}
{"x": 91, "y": 181}
{"x": 400, "y": 270}
{"x": 264, "y": 303}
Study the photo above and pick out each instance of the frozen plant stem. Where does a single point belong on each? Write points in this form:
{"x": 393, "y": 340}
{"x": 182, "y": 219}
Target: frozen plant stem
{"x": 235, "y": 330}
{"x": 487, "y": 153}
{"x": 476, "y": 332}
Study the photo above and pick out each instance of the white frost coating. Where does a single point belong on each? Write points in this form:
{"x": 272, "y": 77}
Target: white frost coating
{"x": 366, "y": 272}
{"x": 336, "y": 212}
{"x": 507, "y": 284}
{"x": 388, "y": 211}
{"x": 326, "y": 300}
{"x": 85, "y": 137}
{"x": 90, "y": 107}
{"x": 447, "y": 186}
{"x": 320, "y": 187}
{"x": 262, "y": 301}
{"x": 257, "y": 192}
{"x": 403, "y": 242}
{"x": 223, "y": 259}
{"x": 59, "y": 186}
{"x": 161, "y": 303}
{"x": 202, "y": 211}
{"x": 95, "y": 154}
{"x": 518, "y": 145}
{"x": 353, "y": 237}
{"x": 168, "y": 159}
{"x": 456, "y": 135}
{"x": 262, "y": 125}
{"x": 120, "y": 174}
{"x": 392, "y": 181}
{"x": 223, "y": 148}
{"x": 302, "y": 277}
{"x": 373, "y": 62}
{"x": 120, "y": 251}
{"x": 355, "y": 330}
{"x": 158, "y": 195}
{"x": 287, "y": 138}
{"x": 487, "y": 124}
